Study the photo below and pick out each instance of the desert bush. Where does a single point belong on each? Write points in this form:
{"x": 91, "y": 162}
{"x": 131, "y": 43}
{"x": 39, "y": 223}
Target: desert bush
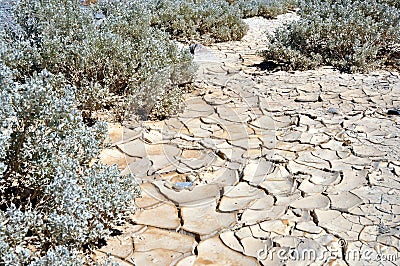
{"x": 209, "y": 20}
{"x": 221, "y": 21}
{"x": 349, "y": 35}
{"x": 263, "y": 8}
{"x": 394, "y": 3}
{"x": 106, "y": 50}
{"x": 55, "y": 195}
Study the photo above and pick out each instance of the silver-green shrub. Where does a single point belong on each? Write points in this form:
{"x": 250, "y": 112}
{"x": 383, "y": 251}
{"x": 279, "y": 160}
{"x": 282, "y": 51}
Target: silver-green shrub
{"x": 209, "y": 20}
{"x": 347, "y": 34}
{"x": 107, "y": 50}
{"x": 55, "y": 195}
{"x": 263, "y": 8}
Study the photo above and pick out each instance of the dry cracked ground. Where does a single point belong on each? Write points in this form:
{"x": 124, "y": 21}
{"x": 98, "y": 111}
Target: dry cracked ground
{"x": 261, "y": 168}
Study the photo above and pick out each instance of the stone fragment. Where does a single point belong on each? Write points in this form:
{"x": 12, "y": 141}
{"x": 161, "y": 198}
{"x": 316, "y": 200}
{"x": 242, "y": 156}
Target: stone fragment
{"x": 235, "y": 131}
{"x": 280, "y": 227}
{"x": 155, "y": 257}
{"x": 264, "y": 203}
{"x": 198, "y": 195}
{"x": 367, "y": 151}
{"x": 233, "y": 204}
{"x": 317, "y": 201}
{"x": 202, "y": 161}
{"x": 167, "y": 216}
{"x": 99, "y": 256}
{"x": 256, "y": 171}
{"x": 154, "y": 137}
{"x": 113, "y": 156}
{"x": 155, "y": 238}
{"x": 252, "y": 246}
{"x": 242, "y": 189}
{"x": 344, "y": 201}
{"x": 159, "y": 162}
{"x": 308, "y": 121}
{"x": 306, "y": 158}
{"x": 334, "y": 145}
{"x": 333, "y": 221}
{"x": 369, "y": 234}
{"x": 286, "y": 199}
{"x": 226, "y": 177}
{"x": 230, "y": 240}
{"x": 137, "y": 148}
{"x": 205, "y": 220}
{"x": 231, "y": 114}
{"x": 119, "y": 134}
{"x": 187, "y": 261}
{"x": 287, "y": 241}
{"x": 250, "y": 216}
{"x": 213, "y": 252}
{"x": 278, "y": 182}
{"x": 239, "y": 196}
{"x": 325, "y": 154}
{"x": 309, "y": 187}
{"x": 139, "y": 168}
{"x": 307, "y": 98}
{"x": 182, "y": 185}
{"x": 118, "y": 247}
{"x": 264, "y": 122}
{"x": 292, "y": 146}
{"x": 324, "y": 177}
{"x": 243, "y": 232}
{"x": 252, "y": 142}
{"x": 309, "y": 227}
{"x": 257, "y": 232}
{"x": 333, "y": 110}
{"x": 217, "y": 98}
{"x": 290, "y": 136}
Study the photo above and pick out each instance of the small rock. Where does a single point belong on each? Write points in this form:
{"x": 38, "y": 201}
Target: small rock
{"x": 182, "y": 185}
{"x": 333, "y": 110}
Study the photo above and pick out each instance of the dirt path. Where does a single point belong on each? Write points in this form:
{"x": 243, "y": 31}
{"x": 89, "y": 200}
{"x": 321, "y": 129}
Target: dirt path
{"x": 266, "y": 168}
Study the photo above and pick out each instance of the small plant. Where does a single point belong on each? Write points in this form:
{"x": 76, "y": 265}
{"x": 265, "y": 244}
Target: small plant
{"x": 263, "y": 8}
{"x": 209, "y": 20}
{"x": 55, "y": 195}
{"x": 106, "y": 50}
{"x": 349, "y": 35}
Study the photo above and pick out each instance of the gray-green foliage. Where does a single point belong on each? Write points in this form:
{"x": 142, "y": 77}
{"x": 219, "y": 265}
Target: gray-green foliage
{"x": 108, "y": 50}
{"x": 349, "y": 35}
{"x": 210, "y": 20}
{"x": 55, "y": 195}
{"x": 263, "y": 8}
